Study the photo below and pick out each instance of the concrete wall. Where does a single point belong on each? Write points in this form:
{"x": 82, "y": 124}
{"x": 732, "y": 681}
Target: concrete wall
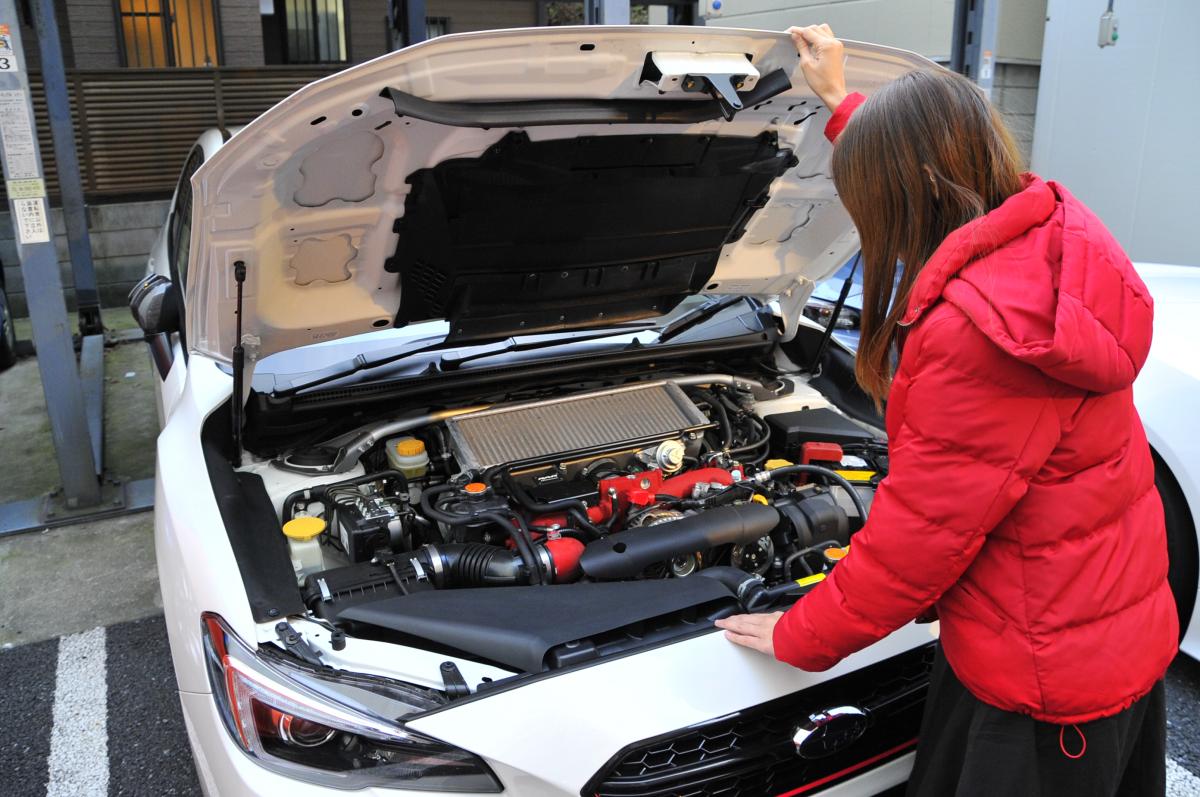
{"x": 122, "y": 234}
{"x": 1014, "y": 93}
{"x": 1117, "y": 125}
{"x": 923, "y": 26}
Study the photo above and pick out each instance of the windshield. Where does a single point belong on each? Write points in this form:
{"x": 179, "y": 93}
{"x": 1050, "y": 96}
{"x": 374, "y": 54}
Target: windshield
{"x": 417, "y": 347}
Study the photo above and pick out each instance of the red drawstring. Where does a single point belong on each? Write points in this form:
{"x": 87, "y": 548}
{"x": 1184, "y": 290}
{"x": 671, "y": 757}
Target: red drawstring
{"x": 1062, "y": 746}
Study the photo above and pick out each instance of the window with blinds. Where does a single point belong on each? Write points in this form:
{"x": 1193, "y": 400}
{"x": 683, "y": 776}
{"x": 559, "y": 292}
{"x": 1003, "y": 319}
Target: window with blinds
{"x": 164, "y": 33}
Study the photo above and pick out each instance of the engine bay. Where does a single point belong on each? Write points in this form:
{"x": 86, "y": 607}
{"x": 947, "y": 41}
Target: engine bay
{"x": 538, "y": 534}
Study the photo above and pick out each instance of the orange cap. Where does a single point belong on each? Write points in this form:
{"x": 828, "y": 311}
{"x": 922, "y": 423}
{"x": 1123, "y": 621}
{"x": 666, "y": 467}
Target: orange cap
{"x": 475, "y": 488}
{"x": 835, "y": 554}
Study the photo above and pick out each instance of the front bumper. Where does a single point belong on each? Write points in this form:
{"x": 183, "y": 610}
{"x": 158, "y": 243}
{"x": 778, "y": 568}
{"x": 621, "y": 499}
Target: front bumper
{"x": 562, "y": 734}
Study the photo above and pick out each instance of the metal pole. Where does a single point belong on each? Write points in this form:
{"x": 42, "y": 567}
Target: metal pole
{"x": 415, "y": 22}
{"x": 58, "y": 106}
{"x": 39, "y": 267}
{"x": 973, "y": 42}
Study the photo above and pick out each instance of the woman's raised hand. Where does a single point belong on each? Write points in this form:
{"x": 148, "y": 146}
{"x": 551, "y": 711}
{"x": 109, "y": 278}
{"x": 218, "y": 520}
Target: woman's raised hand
{"x": 821, "y": 58}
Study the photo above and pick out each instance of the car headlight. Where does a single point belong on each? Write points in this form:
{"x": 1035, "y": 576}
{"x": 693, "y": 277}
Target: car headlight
{"x": 335, "y": 731}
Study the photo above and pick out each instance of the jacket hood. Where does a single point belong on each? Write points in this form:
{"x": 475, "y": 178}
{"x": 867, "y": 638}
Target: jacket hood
{"x": 524, "y": 181}
{"x": 1045, "y": 280}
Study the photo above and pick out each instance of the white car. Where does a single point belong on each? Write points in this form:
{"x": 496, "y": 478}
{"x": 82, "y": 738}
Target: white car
{"x": 461, "y": 325}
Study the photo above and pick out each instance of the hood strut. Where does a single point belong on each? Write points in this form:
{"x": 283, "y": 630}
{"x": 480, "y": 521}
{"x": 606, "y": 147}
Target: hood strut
{"x": 239, "y": 364}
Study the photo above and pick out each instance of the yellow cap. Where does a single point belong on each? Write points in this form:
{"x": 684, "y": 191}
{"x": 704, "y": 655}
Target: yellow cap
{"x": 303, "y": 528}
{"x": 759, "y": 499}
{"x": 409, "y": 447}
{"x": 772, "y": 464}
{"x": 808, "y": 581}
{"x": 856, "y": 475}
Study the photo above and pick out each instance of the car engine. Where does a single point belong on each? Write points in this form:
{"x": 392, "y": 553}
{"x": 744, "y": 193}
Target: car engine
{"x": 652, "y": 481}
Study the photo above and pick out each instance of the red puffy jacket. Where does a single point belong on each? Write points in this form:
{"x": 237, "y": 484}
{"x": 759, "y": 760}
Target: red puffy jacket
{"x": 1021, "y": 498}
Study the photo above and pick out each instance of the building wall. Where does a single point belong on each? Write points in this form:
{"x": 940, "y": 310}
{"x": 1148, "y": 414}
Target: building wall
{"x": 93, "y": 32}
{"x": 241, "y": 31}
{"x": 923, "y": 26}
{"x": 122, "y": 235}
{"x": 468, "y": 15}
{"x": 1117, "y": 125}
{"x": 367, "y": 35}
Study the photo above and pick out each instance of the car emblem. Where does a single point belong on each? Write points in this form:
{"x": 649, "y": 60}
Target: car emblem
{"x": 829, "y": 731}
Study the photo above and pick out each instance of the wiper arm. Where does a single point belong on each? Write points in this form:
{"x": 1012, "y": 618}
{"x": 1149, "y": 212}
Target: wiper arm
{"x": 698, "y": 316}
{"x": 450, "y": 364}
{"x": 359, "y": 363}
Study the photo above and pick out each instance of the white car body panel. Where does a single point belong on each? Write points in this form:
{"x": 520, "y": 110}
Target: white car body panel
{"x": 247, "y": 195}
{"x": 1166, "y": 390}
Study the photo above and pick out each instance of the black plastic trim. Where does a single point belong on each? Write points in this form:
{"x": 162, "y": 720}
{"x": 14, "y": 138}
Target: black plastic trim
{"x": 531, "y": 113}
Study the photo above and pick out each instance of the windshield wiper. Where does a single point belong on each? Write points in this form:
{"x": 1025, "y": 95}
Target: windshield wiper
{"x": 699, "y": 315}
{"x": 451, "y": 363}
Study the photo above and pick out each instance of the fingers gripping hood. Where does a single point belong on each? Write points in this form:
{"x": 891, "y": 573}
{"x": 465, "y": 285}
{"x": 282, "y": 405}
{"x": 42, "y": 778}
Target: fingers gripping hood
{"x": 312, "y": 196}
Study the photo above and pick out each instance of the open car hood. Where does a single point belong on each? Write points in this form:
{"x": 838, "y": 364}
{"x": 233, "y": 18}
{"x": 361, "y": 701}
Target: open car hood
{"x": 524, "y": 181}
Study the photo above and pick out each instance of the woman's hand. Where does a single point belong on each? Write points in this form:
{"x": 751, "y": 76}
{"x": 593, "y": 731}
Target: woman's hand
{"x": 752, "y": 630}
{"x": 822, "y": 59}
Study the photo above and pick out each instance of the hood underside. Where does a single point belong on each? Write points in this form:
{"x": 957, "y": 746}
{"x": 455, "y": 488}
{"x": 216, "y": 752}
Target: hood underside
{"x": 524, "y": 181}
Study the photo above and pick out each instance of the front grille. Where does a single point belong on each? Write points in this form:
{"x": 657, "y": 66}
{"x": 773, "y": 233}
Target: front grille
{"x": 751, "y": 754}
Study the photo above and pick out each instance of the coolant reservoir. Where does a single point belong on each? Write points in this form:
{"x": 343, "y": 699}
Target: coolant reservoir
{"x": 304, "y": 543}
{"x": 407, "y": 455}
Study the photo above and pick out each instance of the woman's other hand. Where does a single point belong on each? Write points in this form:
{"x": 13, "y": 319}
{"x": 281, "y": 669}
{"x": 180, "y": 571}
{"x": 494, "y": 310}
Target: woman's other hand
{"x": 755, "y": 631}
{"x": 822, "y": 59}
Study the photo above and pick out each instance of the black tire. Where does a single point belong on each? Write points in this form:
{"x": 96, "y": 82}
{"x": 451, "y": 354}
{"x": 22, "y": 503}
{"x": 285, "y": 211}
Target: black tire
{"x": 8, "y": 334}
{"x": 1181, "y": 543}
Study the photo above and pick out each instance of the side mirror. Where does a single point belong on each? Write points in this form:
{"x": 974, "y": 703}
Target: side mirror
{"x": 154, "y": 303}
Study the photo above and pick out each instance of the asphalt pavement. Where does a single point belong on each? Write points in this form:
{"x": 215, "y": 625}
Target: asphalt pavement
{"x": 96, "y": 713}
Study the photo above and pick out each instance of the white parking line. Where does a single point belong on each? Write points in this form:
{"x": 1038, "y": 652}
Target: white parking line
{"x": 79, "y": 738}
{"x": 1180, "y": 781}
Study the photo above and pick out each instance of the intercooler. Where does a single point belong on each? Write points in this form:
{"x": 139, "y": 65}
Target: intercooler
{"x": 583, "y": 423}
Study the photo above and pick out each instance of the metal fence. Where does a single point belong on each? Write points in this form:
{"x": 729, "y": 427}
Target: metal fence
{"x": 134, "y": 127}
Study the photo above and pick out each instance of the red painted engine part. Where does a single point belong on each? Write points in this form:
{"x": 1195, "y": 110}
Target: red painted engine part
{"x": 565, "y": 553}
{"x": 640, "y": 489}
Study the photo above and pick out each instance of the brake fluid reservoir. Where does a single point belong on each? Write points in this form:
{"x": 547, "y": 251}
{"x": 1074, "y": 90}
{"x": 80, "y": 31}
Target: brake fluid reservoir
{"x": 407, "y": 455}
{"x": 304, "y": 544}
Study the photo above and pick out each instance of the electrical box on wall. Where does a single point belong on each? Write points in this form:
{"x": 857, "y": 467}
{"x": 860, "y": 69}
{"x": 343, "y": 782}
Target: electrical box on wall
{"x": 1108, "y": 29}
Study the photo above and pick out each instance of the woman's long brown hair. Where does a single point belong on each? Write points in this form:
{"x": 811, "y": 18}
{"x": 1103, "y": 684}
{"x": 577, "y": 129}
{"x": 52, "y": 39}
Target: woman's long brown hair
{"x": 925, "y": 155}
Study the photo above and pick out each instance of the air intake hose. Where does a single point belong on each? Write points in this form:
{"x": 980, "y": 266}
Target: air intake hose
{"x": 475, "y": 564}
{"x": 628, "y": 553}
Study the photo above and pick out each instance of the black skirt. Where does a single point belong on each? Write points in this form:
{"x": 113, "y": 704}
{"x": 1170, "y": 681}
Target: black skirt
{"x": 971, "y": 749}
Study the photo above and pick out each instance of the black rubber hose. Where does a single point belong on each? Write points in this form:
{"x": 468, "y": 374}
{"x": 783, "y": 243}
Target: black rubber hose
{"x": 746, "y": 587}
{"x": 433, "y": 513}
{"x": 520, "y": 538}
{"x": 762, "y": 441}
{"x": 722, "y": 417}
{"x": 472, "y": 564}
{"x": 832, "y": 476}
